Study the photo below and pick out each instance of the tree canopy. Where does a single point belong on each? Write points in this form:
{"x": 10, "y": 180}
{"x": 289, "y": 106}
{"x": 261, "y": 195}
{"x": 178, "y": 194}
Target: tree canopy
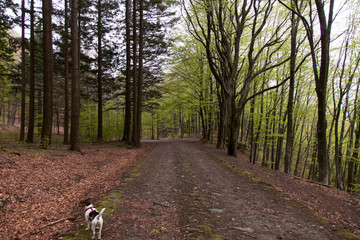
{"x": 277, "y": 80}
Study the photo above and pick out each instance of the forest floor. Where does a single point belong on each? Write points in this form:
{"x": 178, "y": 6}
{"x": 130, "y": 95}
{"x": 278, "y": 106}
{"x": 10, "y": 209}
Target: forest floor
{"x": 168, "y": 189}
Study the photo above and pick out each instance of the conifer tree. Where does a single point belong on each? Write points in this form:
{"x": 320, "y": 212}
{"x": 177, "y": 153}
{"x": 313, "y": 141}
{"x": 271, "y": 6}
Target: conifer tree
{"x": 23, "y": 77}
{"x": 31, "y": 126}
{"x": 75, "y": 80}
{"x": 46, "y": 132}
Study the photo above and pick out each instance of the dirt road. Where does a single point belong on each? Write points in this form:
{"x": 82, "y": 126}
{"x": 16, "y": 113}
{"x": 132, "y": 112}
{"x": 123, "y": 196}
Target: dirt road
{"x": 183, "y": 190}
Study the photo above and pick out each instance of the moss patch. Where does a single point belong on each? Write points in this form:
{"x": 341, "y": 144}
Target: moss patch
{"x": 111, "y": 202}
{"x": 240, "y": 172}
{"x": 347, "y": 235}
{"x": 205, "y": 228}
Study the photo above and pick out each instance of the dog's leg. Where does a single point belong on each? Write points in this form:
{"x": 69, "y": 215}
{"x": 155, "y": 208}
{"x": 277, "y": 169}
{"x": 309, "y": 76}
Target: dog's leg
{"x": 88, "y": 224}
{"x": 93, "y": 228}
{"x": 99, "y": 234}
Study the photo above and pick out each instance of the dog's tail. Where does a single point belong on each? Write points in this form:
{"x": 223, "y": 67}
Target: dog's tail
{"x": 101, "y": 212}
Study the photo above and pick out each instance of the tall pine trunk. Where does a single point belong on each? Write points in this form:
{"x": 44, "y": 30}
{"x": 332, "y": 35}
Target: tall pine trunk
{"x": 127, "y": 124}
{"x": 46, "y": 131}
{"x": 135, "y": 85}
{"x": 75, "y": 79}
{"x": 23, "y": 77}
{"x": 100, "y": 99}
{"x": 140, "y": 74}
{"x": 30, "y": 135}
{"x": 66, "y": 60}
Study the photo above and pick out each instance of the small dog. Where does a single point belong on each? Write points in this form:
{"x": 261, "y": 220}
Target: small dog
{"x": 93, "y": 215}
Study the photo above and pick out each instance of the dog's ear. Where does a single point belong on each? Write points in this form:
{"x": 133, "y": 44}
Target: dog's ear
{"x": 84, "y": 202}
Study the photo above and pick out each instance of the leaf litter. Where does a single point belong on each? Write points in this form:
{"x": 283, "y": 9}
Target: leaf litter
{"x": 39, "y": 189}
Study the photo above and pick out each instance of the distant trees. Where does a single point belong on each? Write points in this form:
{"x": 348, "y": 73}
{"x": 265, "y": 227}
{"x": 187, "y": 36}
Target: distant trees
{"x": 9, "y": 45}
{"x": 289, "y": 128}
{"x": 145, "y": 46}
{"x": 255, "y": 76}
{"x": 95, "y": 70}
{"x": 220, "y": 29}
{"x": 321, "y": 73}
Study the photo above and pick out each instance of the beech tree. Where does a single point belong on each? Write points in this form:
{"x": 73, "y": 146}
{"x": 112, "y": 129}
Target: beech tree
{"x": 321, "y": 73}
{"x": 290, "y": 132}
{"x": 191, "y": 83}
{"x": 221, "y": 34}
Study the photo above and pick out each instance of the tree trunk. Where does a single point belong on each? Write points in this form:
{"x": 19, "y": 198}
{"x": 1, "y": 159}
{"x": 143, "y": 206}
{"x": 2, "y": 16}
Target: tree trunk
{"x": 265, "y": 158}
{"x": 298, "y": 159}
{"x": 290, "y": 132}
{"x": 135, "y": 84}
{"x": 30, "y": 135}
{"x": 100, "y": 73}
{"x": 127, "y": 123}
{"x": 75, "y": 79}
{"x": 321, "y": 87}
{"x": 23, "y": 77}
{"x": 48, "y": 75}
{"x": 66, "y": 62}
{"x": 351, "y": 163}
{"x": 355, "y": 160}
{"x": 140, "y": 74}
{"x": 281, "y": 131}
{"x": 233, "y": 127}
{"x": 222, "y": 120}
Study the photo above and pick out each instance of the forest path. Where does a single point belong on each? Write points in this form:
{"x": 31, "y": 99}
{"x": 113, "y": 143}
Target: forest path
{"x": 184, "y": 190}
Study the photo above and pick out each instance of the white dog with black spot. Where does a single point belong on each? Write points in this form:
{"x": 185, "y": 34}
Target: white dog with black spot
{"x": 93, "y": 215}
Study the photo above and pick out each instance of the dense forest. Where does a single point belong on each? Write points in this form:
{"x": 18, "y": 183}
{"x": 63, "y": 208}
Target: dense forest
{"x": 277, "y": 80}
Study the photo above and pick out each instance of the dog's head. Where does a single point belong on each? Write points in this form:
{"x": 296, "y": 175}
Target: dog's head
{"x": 84, "y": 203}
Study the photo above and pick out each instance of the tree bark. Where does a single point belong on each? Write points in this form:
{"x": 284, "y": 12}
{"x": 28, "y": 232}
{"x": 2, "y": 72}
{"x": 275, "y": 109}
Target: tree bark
{"x": 222, "y": 120}
{"x": 46, "y": 131}
{"x": 135, "y": 84}
{"x": 75, "y": 79}
{"x": 321, "y": 87}
{"x": 321, "y": 78}
{"x": 351, "y": 162}
{"x": 355, "y": 160}
{"x": 30, "y": 135}
{"x": 140, "y": 74}
{"x": 127, "y": 124}
{"x": 290, "y": 132}
{"x": 23, "y": 77}
{"x": 100, "y": 73}
{"x": 66, "y": 62}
